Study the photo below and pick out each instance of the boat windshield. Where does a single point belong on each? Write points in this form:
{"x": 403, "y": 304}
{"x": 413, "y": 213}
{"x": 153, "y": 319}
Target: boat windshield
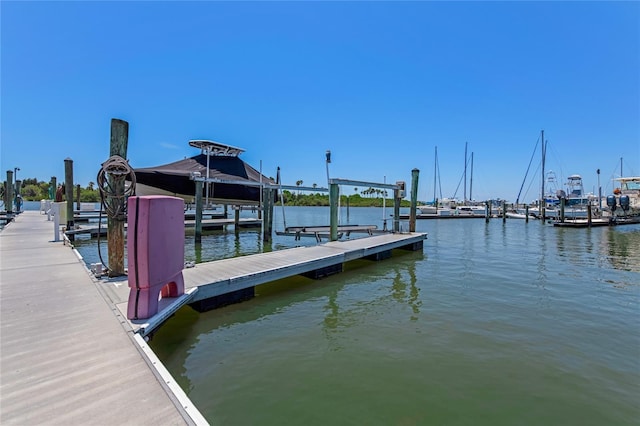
{"x": 632, "y": 185}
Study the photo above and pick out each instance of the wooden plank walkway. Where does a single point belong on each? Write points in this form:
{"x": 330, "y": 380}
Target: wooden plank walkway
{"x": 211, "y": 279}
{"x": 66, "y": 356}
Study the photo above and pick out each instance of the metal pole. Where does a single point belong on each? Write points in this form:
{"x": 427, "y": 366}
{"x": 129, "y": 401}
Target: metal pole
{"x": 544, "y": 154}
{"x": 208, "y": 151}
{"x": 198, "y": 237}
{"x": 599, "y": 190}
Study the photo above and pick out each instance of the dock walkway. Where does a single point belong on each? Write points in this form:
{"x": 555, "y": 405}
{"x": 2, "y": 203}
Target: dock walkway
{"x": 66, "y": 355}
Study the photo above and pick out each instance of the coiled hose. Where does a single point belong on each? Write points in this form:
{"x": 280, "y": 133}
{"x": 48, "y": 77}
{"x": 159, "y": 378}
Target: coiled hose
{"x": 111, "y": 178}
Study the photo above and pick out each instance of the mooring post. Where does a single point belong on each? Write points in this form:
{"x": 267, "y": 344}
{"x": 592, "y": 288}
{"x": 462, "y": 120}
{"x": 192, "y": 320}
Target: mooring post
{"x": 236, "y": 220}
{"x": 68, "y": 189}
{"x": 526, "y": 213}
{"x": 486, "y": 212}
{"x": 5, "y": 194}
{"x": 8, "y": 205}
{"x": 115, "y": 225}
{"x": 266, "y": 219}
{"x": 589, "y": 215}
{"x": 53, "y": 187}
{"x": 334, "y": 193}
{"x": 414, "y": 199}
{"x": 78, "y": 196}
{"x": 504, "y": 211}
{"x": 562, "y": 201}
{"x": 198, "y": 237}
{"x": 272, "y": 193}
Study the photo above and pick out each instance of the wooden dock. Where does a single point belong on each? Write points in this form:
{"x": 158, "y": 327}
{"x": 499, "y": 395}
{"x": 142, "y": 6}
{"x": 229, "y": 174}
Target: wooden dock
{"x": 66, "y": 354}
{"x": 210, "y": 224}
{"x": 211, "y": 284}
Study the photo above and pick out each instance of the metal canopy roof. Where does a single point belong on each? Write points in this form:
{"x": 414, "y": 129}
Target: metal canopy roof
{"x": 216, "y": 148}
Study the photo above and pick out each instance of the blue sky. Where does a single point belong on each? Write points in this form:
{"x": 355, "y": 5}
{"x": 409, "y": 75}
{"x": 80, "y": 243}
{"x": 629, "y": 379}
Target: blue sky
{"x": 380, "y": 84}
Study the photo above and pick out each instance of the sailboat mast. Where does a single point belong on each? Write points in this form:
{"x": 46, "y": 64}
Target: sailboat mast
{"x": 465, "y": 172}
{"x": 544, "y": 153}
{"x": 435, "y": 176}
{"x": 471, "y": 179}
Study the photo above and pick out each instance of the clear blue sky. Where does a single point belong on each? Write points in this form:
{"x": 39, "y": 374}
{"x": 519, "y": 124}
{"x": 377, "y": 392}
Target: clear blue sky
{"x": 380, "y": 84}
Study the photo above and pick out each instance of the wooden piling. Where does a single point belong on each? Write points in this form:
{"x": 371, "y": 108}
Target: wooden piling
{"x": 198, "y": 236}
{"x": 53, "y": 188}
{"x": 589, "y": 215}
{"x": 236, "y": 221}
{"x": 526, "y": 213}
{"x": 5, "y": 193}
{"x": 562, "y": 202}
{"x": 115, "y": 225}
{"x": 68, "y": 188}
{"x": 78, "y": 196}
{"x": 396, "y": 211}
{"x": 504, "y": 211}
{"x": 487, "y": 212}
{"x": 334, "y": 193}
{"x": 8, "y": 205}
{"x": 414, "y": 199}
{"x": 267, "y": 214}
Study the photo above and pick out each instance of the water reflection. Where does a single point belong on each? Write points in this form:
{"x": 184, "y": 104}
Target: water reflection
{"x": 623, "y": 249}
{"x": 399, "y": 289}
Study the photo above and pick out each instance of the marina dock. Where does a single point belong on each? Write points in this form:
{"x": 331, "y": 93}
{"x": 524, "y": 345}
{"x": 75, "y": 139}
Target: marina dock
{"x": 67, "y": 356}
{"x": 209, "y": 224}
{"x": 212, "y": 284}
{"x": 70, "y": 355}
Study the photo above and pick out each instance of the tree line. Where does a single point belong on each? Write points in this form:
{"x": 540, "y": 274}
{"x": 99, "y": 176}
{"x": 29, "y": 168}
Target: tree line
{"x": 34, "y": 190}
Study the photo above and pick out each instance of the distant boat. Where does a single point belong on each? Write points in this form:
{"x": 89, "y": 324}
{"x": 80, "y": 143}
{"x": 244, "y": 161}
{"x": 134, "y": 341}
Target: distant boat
{"x": 625, "y": 200}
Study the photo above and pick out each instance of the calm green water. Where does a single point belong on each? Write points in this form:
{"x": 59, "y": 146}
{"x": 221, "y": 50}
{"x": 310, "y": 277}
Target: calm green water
{"x": 491, "y": 324}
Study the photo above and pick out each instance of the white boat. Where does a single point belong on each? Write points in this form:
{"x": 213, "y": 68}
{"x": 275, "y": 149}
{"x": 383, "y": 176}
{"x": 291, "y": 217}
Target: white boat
{"x": 625, "y": 200}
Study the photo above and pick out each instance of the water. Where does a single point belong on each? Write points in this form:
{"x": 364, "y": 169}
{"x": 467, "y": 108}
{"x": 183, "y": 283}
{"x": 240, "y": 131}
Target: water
{"x": 495, "y": 324}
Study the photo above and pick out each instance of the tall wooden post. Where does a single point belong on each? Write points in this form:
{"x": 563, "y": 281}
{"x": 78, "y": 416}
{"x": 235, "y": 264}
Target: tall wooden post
{"x": 526, "y": 213}
{"x": 5, "y": 193}
{"x": 272, "y": 192}
{"x": 68, "y": 193}
{"x": 414, "y": 199}
{"x": 236, "y": 220}
{"x": 589, "y": 215}
{"x": 267, "y": 219}
{"x": 334, "y": 193}
{"x": 562, "y": 203}
{"x": 198, "y": 211}
{"x": 53, "y": 188}
{"x": 8, "y": 205}
{"x": 115, "y": 225}
{"x": 487, "y": 213}
{"x": 504, "y": 211}
{"x": 78, "y": 196}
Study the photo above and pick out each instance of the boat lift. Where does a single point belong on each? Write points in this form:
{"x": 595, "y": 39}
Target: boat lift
{"x": 334, "y": 228}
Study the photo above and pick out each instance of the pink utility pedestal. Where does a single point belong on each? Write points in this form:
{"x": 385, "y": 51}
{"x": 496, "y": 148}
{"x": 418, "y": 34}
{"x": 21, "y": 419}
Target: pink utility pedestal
{"x": 155, "y": 247}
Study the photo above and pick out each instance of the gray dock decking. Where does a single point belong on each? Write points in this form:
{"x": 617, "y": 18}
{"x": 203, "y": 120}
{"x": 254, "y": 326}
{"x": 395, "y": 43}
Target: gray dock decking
{"x": 65, "y": 356}
{"x": 70, "y": 356}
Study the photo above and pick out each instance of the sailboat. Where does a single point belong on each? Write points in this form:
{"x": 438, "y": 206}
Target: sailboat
{"x": 451, "y": 207}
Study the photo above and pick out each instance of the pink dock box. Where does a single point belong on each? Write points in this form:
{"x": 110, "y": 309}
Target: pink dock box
{"x": 155, "y": 246}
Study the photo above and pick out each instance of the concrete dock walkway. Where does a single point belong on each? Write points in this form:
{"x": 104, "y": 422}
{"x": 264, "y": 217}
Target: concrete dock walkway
{"x": 65, "y": 356}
